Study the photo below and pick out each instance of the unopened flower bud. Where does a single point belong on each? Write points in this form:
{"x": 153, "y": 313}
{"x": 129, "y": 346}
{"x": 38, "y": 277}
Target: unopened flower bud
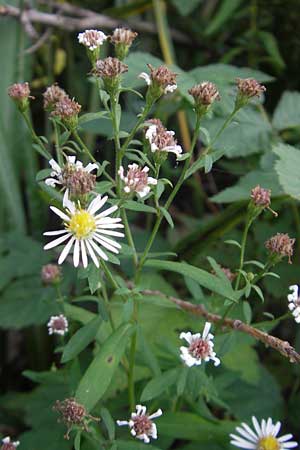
{"x": 20, "y": 93}
{"x": 122, "y": 39}
{"x": 280, "y": 246}
{"x": 73, "y": 413}
{"x": 160, "y": 81}
{"x": 67, "y": 110}
{"x": 204, "y": 95}
{"x": 7, "y": 444}
{"x": 51, "y": 274}
{"x": 260, "y": 200}
{"x": 110, "y": 70}
{"x": 247, "y": 88}
{"x": 52, "y": 95}
{"x": 92, "y": 40}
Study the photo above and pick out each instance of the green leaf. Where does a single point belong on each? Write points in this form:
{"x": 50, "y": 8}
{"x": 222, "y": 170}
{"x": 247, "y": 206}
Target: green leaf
{"x": 269, "y": 42}
{"x": 287, "y": 112}
{"x": 259, "y": 292}
{"x": 205, "y": 279}
{"x": 81, "y": 339}
{"x": 98, "y": 375}
{"x": 77, "y": 440}
{"x": 167, "y": 216}
{"x": 287, "y": 168}
{"x": 224, "y": 14}
{"x": 186, "y": 7}
{"x": 88, "y": 117}
{"x": 233, "y": 242}
{"x": 158, "y": 385}
{"x": 108, "y": 422}
{"x": 137, "y": 206}
{"x": 247, "y": 311}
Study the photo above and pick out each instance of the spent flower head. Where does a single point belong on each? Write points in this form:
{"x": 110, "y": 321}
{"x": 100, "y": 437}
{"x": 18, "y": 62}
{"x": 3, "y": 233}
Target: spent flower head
{"x": 20, "y": 93}
{"x": 110, "y": 70}
{"x": 160, "y": 81}
{"x": 162, "y": 141}
{"x": 280, "y": 246}
{"x": 260, "y": 200}
{"x": 247, "y": 89}
{"x": 122, "y": 39}
{"x": 141, "y": 424}
{"x": 86, "y": 231}
{"x": 51, "y": 274}
{"x": 294, "y": 302}
{"x": 92, "y": 40}
{"x": 205, "y": 94}
{"x": 7, "y": 444}
{"x": 136, "y": 180}
{"x": 263, "y": 436}
{"x": 67, "y": 110}
{"x": 58, "y": 325}
{"x": 73, "y": 414}
{"x": 52, "y": 95}
{"x": 200, "y": 347}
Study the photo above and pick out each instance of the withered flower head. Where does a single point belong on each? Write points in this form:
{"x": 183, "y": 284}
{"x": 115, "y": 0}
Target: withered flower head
{"x": 249, "y": 87}
{"x": 261, "y": 196}
{"x": 123, "y": 36}
{"x": 52, "y": 95}
{"x": 67, "y": 110}
{"x": 110, "y": 68}
{"x": 161, "y": 140}
{"x": 20, "y": 93}
{"x": 50, "y": 274}
{"x": 78, "y": 181}
{"x": 281, "y": 245}
{"x": 73, "y": 413}
{"x": 205, "y": 93}
{"x": 160, "y": 81}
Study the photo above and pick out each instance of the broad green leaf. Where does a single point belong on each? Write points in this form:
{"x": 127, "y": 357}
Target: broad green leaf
{"x": 137, "y": 206}
{"x": 98, "y": 375}
{"x": 205, "y": 279}
{"x": 287, "y": 169}
{"x": 79, "y": 314}
{"x": 287, "y": 112}
{"x": 158, "y": 385}
{"x": 81, "y": 339}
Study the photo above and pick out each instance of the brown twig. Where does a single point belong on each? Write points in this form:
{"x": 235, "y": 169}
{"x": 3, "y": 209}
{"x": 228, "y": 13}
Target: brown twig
{"x": 84, "y": 19}
{"x": 277, "y": 344}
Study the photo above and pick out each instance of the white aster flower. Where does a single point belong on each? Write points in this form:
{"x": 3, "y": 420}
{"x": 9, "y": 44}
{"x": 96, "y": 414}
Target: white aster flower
{"x": 200, "y": 347}
{"x": 58, "y": 325}
{"x": 137, "y": 180}
{"x": 294, "y": 302}
{"x": 8, "y": 444}
{"x": 141, "y": 425}
{"x": 162, "y": 140}
{"x": 57, "y": 174}
{"x": 86, "y": 231}
{"x": 92, "y": 39}
{"x": 263, "y": 437}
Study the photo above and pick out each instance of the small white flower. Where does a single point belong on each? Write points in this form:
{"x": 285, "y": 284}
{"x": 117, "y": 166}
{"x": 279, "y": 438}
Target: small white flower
{"x": 294, "y": 302}
{"x": 146, "y": 77}
{"x": 8, "y": 444}
{"x": 141, "y": 425}
{"x": 200, "y": 347}
{"x": 58, "y": 325}
{"x": 162, "y": 140}
{"x": 57, "y": 171}
{"x": 86, "y": 230}
{"x": 263, "y": 437}
{"x": 137, "y": 180}
{"x": 92, "y": 39}
{"x": 170, "y": 88}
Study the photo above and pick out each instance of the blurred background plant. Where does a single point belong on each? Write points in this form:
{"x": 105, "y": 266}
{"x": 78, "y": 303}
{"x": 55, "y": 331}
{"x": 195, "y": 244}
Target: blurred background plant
{"x": 211, "y": 40}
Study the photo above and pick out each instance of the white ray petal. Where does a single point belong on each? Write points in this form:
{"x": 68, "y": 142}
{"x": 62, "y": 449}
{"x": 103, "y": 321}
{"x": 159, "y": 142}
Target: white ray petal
{"x": 92, "y": 253}
{"x": 207, "y": 327}
{"x": 109, "y": 241}
{"x": 83, "y": 254}
{"x": 110, "y": 233}
{"x": 96, "y": 204}
{"x": 55, "y": 233}
{"x": 66, "y": 250}
{"x": 61, "y": 214}
{"x": 76, "y": 253}
{"x": 105, "y": 244}
{"x": 108, "y": 211}
{"x": 98, "y": 250}
{"x": 57, "y": 241}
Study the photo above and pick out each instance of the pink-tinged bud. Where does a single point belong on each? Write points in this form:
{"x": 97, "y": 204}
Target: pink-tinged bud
{"x": 73, "y": 414}
{"x": 52, "y": 95}
{"x": 247, "y": 88}
{"x": 20, "y": 93}
{"x": 160, "y": 81}
{"x": 122, "y": 39}
{"x": 67, "y": 110}
{"x": 51, "y": 274}
{"x": 280, "y": 246}
{"x": 78, "y": 181}
{"x": 261, "y": 199}
{"x": 110, "y": 70}
{"x": 204, "y": 95}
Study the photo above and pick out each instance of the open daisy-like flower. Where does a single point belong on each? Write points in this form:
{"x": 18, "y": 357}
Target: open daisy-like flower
{"x": 58, "y": 325}
{"x": 294, "y": 302}
{"x": 141, "y": 425}
{"x": 86, "y": 231}
{"x": 263, "y": 437}
{"x": 58, "y": 173}
{"x": 7, "y": 444}
{"x": 200, "y": 347}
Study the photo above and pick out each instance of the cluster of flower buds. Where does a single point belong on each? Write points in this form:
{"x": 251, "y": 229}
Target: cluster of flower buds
{"x": 73, "y": 414}
{"x": 247, "y": 89}
{"x": 137, "y": 180}
{"x": 7, "y": 444}
{"x": 51, "y": 274}
{"x": 122, "y": 38}
{"x": 67, "y": 110}
{"x": 20, "y": 93}
{"x": 160, "y": 81}
{"x": 204, "y": 95}
{"x": 260, "y": 200}
{"x": 52, "y": 95}
{"x": 280, "y": 246}
{"x": 92, "y": 40}
{"x": 161, "y": 141}
{"x": 110, "y": 70}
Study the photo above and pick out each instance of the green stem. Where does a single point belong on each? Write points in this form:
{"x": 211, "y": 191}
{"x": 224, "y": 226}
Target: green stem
{"x": 242, "y": 254}
{"x": 57, "y": 146}
{"x": 106, "y": 301}
{"x": 129, "y": 236}
{"x": 131, "y": 390}
{"x": 82, "y": 144}
{"x": 141, "y": 119}
{"x": 169, "y": 200}
{"x": 225, "y": 125}
{"x": 109, "y": 275}
{"x": 34, "y": 136}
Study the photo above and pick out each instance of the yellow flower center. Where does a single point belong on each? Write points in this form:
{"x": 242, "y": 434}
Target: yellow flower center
{"x": 268, "y": 443}
{"x": 82, "y": 224}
